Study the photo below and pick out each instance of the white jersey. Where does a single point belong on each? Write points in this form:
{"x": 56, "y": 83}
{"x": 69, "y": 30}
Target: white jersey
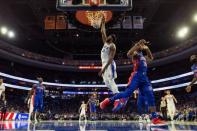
{"x": 105, "y": 53}
{"x": 31, "y": 104}
{"x": 2, "y": 89}
{"x": 83, "y": 109}
{"x": 169, "y": 99}
{"x": 110, "y": 72}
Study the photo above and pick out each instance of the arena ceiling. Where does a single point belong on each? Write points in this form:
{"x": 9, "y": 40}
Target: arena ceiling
{"x": 162, "y": 19}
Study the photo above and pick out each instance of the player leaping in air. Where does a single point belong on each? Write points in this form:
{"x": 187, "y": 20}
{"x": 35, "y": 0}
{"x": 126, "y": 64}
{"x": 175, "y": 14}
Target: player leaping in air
{"x": 138, "y": 79}
{"x": 193, "y": 60}
{"x": 108, "y": 71}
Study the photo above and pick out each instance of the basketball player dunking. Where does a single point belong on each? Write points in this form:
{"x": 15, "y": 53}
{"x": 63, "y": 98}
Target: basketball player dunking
{"x": 108, "y": 71}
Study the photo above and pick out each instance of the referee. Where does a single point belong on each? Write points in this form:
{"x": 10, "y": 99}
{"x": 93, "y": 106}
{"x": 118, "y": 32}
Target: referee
{"x": 163, "y": 108}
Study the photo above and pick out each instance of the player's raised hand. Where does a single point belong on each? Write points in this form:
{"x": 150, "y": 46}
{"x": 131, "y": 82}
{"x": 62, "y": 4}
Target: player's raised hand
{"x": 188, "y": 88}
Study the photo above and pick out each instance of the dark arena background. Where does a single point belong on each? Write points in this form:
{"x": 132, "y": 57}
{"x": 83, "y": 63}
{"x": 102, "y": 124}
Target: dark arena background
{"x": 61, "y": 42}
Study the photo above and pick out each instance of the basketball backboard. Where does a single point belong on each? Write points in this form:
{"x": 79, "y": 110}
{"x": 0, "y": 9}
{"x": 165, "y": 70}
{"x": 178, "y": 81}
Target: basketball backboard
{"x": 113, "y": 5}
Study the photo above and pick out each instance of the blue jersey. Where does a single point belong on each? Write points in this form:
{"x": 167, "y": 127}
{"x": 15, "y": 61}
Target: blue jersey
{"x": 92, "y": 104}
{"x": 38, "y": 89}
{"x": 38, "y": 97}
{"x": 92, "y": 101}
{"x": 194, "y": 69}
{"x": 139, "y": 63}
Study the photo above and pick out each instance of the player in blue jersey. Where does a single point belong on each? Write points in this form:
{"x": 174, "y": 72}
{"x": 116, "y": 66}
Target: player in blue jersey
{"x": 37, "y": 93}
{"x": 138, "y": 79}
{"x": 193, "y": 60}
{"x": 92, "y": 103}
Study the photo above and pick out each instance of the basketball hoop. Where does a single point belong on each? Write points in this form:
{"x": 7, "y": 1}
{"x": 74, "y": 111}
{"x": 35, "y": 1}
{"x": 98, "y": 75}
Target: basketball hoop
{"x": 95, "y": 18}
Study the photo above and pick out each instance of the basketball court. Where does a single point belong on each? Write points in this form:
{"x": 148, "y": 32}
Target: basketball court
{"x": 94, "y": 126}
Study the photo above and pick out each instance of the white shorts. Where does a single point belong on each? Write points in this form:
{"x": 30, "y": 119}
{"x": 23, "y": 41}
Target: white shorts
{"x": 110, "y": 72}
{"x": 83, "y": 112}
{"x": 109, "y": 76}
{"x": 171, "y": 108}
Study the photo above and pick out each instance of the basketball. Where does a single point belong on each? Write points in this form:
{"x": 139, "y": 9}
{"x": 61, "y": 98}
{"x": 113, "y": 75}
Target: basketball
{"x": 94, "y": 2}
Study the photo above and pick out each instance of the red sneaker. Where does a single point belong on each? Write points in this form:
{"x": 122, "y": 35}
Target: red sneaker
{"x": 104, "y": 103}
{"x": 117, "y": 106}
{"x": 158, "y": 122}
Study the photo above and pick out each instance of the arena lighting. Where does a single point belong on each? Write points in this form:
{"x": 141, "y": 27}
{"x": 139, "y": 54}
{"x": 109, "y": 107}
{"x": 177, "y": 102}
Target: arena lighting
{"x": 195, "y": 18}
{"x": 89, "y": 67}
{"x": 4, "y": 30}
{"x": 73, "y": 85}
{"x": 172, "y": 78}
{"x": 183, "y": 32}
{"x": 85, "y": 93}
{"x": 11, "y": 34}
{"x": 67, "y": 92}
{"x": 17, "y": 87}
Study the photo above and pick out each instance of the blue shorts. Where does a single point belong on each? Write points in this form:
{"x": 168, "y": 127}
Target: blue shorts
{"x": 142, "y": 104}
{"x": 92, "y": 108}
{"x": 138, "y": 81}
{"x": 38, "y": 103}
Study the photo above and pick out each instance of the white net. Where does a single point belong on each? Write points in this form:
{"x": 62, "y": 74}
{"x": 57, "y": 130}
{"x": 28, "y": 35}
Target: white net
{"x": 95, "y": 18}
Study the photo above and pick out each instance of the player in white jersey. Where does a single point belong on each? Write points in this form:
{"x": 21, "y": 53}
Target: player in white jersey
{"x": 82, "y": 111}
{"x": 108, "y": 71}
{"x": 30, "y": 106}
{"x": 2, "y": 90}
{"x": 170, "y": 104}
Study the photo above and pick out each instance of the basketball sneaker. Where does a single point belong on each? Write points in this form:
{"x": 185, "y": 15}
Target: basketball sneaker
{"x": 117, "y": 106}
{"x": 104, "y": 103}
{"x": 158, "y": 122}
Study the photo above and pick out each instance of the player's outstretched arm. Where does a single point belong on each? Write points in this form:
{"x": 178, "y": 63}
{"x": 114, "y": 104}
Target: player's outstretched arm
{"x": 149, "y": 53}
{"x": 103, "y": 30}
{"x": 132, "y": 50}
{"x": 188, "y": 88}
{"x": 111, "y": 57}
